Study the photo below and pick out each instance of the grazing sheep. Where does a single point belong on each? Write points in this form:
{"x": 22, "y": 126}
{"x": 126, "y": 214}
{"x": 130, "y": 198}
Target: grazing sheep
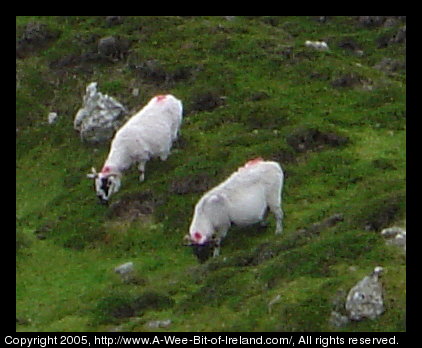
{"x": 148, "y": 134}
{"x": 242, "y": 199}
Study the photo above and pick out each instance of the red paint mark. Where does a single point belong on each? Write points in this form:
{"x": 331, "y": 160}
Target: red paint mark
{"x": 253, "y": 161}
{"x": 197, "y": 236}
{"x": 160, "y": 98}
{"x": 106, "y": 170}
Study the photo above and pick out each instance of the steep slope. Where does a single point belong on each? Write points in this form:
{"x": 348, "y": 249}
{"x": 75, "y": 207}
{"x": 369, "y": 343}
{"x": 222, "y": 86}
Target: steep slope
{"x": 335, "y": 120}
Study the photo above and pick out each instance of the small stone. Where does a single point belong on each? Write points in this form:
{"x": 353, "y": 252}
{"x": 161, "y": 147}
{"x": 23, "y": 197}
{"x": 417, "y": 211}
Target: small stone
{"x": 155, "y": 324}
{"x": 273, "y": 302}
{"x": 317, "y": 45}
{"x": 52, "y": 117}
{"x": 135, "y": 92}
{"x": 392, "y": 231}
{"x": 124, "y": 268}
{"x": 395, "y": 236}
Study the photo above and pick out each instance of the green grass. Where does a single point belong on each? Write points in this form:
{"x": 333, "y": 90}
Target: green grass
{"x": 67, "y": 245}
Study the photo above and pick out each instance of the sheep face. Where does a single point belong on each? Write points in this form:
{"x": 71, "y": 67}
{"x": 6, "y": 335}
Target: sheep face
{"x": 202, "y": 248}
{"x": 105, "y": 185}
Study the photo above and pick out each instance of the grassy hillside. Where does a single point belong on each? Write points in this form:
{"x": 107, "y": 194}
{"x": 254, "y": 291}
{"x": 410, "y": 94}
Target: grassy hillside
{"x": 335, "y": 120}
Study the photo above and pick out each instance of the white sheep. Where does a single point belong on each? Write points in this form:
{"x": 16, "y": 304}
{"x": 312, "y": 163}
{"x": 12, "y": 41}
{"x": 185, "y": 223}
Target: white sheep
{"x": 241, "y": 199}
{"x": 148, "y": 134}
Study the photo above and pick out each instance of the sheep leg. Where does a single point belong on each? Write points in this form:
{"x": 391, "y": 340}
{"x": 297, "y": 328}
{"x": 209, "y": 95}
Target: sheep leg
{"x": 274, "y": 203}
{"x": 141, "y": 168}
{"x": 164, "y": 155}
{"x": 217, "y": 240}
{"x": 176, "y": 134}
{"x": 278, "y": 213}
{"x": 216, "y": 251}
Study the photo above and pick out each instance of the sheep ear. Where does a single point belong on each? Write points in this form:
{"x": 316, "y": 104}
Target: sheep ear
{"x": 92, "y": 175}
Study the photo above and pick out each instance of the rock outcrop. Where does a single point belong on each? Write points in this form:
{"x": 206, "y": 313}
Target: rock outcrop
{"x": 99, "y": 117}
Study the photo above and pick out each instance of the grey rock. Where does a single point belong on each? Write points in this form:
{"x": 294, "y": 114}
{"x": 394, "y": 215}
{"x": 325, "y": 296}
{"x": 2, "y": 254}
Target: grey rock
{"x": 52, "y": 117}
{"x": 126, "y": 272}
{"x": 399, "y": 240}
{"x": 317, "y": 45}
{"x": 124, "y": 268}
{"x": 273, "y": 302}
{"x": 395, "y": 236}
{"x": 135, "y": 92}
{"x": 99, "y": 117}
{"x": 365, "y": 299}
{"x": 392, "y": 231}
{"x": 155, "y": 324}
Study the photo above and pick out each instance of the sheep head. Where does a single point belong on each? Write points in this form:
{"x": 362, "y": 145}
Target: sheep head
{"x": 202, "y": 251}
{"x": 106, "y": 183}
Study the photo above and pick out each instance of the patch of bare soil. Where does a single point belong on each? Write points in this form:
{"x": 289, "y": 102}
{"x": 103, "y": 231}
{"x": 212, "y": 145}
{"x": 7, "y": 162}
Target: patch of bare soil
{"x": 133, "y": 206}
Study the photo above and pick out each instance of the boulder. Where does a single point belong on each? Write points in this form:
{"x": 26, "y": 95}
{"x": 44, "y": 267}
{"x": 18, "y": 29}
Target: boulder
{"x": 99, "y": 117}
{"x": 365, "y": 299}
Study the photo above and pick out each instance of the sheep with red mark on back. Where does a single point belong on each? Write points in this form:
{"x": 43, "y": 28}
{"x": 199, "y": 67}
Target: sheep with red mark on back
{"x": 149, "y": 133}
{"x": 242, "y": 199}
